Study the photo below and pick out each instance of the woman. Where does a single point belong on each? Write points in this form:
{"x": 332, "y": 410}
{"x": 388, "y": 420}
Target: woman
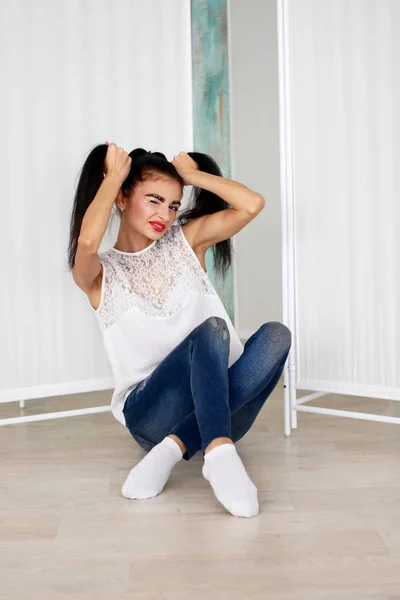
{"x": 183, "y": 381}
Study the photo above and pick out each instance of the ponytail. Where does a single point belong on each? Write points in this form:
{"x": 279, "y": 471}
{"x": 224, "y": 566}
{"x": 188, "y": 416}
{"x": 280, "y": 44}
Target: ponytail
{"x": 207, "y": 203}
{"x": 143, "y": 165}
{"x": 92, "y": 174}
{"x": 89, "y": 182}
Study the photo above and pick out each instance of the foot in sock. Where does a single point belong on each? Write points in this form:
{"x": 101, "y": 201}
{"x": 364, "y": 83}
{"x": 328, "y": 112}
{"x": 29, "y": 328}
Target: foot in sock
{"x": 232, "y": 486}
{"x": 148, "y": 478}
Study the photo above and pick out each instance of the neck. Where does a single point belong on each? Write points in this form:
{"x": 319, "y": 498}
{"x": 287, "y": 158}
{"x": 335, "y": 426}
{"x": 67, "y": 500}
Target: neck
{"x": 131, "y": 241}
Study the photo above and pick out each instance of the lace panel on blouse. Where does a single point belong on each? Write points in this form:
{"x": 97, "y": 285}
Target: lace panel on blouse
{"x": 156, "y": 281}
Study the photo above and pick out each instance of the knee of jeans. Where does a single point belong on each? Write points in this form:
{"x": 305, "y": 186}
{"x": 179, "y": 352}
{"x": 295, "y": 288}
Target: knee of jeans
{"x": 216, "y": 325}
{"x": 279, "y": 332}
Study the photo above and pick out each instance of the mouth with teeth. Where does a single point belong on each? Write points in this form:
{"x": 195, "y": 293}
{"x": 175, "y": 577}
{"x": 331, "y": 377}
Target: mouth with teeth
{"x": 157, "y": 226}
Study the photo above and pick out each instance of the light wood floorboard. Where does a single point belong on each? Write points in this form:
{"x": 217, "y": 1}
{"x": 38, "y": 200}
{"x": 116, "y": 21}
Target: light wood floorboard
{"x": 328, "y": 529}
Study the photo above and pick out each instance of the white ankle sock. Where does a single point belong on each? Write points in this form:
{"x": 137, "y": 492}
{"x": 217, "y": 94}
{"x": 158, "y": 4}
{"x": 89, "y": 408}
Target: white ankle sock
{"x": 148, "y": 478}
{"x": 232, "y": 486}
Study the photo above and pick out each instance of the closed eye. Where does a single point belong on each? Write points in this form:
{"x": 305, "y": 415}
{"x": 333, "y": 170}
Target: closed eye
{"x": 173, "y": 207}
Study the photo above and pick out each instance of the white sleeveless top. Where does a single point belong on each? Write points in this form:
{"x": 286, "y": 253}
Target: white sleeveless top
{"x": 150, "y": 301}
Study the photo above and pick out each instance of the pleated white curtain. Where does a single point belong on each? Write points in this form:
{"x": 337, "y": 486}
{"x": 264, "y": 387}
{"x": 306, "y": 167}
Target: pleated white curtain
{"x": 74, "y": 73}
{"x": 346, "y": 150}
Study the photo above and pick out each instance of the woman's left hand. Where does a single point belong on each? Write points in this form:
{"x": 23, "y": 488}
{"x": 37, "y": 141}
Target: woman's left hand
{"x": 185, "y": 165}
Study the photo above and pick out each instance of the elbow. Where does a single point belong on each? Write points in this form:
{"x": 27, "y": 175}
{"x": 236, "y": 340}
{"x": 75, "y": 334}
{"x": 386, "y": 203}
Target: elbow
{"x": 258, "y": 203}
{"x": 86, "y": 245}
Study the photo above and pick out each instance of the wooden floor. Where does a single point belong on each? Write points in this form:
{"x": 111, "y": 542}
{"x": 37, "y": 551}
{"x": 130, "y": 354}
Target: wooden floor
{"x": 328, "y": 529}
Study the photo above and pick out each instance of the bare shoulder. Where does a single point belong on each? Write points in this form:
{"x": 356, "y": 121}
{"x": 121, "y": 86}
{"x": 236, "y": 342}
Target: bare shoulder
{"x": 94, "y": 291}
{"x": 190, "y": 230}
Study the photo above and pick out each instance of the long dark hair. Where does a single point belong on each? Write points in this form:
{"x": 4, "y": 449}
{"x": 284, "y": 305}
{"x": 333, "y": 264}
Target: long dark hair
{"x": 143, "y": 165}
{"x": 204, "y": 202}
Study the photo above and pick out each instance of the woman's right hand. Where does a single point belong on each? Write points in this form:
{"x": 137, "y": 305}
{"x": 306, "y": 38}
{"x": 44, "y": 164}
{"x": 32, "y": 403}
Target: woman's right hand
{"x": 117, "y": 162}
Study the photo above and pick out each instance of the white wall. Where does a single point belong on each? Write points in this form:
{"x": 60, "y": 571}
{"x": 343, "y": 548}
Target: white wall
{"x": 255, "y": 157}
{"x": 76, "y": 74}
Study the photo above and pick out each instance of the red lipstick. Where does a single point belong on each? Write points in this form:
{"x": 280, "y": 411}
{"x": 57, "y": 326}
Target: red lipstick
{"x": 157, "y": 226}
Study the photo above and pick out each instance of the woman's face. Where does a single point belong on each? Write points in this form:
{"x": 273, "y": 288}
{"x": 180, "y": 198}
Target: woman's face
{"x": 153, "y": 206}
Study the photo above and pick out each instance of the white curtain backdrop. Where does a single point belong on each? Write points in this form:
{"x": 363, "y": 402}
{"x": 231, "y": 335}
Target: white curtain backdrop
{"x": 346, "y": 98}
{"x": 75, "y": 73}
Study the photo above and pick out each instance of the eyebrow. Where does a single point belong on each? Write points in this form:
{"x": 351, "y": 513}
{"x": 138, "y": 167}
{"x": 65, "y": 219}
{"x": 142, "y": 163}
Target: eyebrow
{"x": 162, "y": 199}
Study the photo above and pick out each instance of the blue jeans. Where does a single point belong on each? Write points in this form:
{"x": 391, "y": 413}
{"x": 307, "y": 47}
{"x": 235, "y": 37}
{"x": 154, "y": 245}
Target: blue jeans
{"x": 193, "y": 395}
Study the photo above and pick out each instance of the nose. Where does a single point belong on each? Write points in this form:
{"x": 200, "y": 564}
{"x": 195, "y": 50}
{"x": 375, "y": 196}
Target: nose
{"x": 163, "y": 213}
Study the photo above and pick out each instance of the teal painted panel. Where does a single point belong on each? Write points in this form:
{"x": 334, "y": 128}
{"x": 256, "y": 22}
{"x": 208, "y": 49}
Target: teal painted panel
{"x": 211, "y": 119}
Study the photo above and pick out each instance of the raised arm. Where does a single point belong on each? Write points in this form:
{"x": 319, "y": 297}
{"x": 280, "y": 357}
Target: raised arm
{"x": 87, "y": 267}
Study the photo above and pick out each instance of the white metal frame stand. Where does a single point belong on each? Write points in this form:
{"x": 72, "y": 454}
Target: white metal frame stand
{"x": 48, "y": 391}
{"x": 54, "y": 415}
{"x": 292, "y": 404}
